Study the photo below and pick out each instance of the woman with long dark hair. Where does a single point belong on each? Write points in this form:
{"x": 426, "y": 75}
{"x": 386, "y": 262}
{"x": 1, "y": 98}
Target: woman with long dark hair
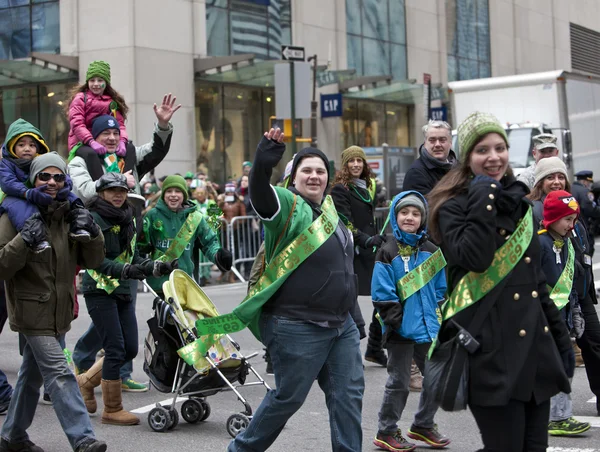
{"x": 489, "y": 239}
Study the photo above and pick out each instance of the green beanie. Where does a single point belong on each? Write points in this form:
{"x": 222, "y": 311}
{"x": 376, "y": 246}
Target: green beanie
{"x": 177, "y": 182}
{"x": 98, "y": 69}
{"x": 474, "y": 128}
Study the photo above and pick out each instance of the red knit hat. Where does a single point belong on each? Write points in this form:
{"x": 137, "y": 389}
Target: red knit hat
{"x": 559, "y": 204}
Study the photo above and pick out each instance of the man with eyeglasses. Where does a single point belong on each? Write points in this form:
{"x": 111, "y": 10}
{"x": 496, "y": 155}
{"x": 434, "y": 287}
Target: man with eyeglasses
{"x": 436, "y": 158}
{"x": 544, "y": 146}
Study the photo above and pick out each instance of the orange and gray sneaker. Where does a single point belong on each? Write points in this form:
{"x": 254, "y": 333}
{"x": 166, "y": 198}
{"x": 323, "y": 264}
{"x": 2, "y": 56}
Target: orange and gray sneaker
{"x": 393, "y": 442}
{"x": 430, "y": 436}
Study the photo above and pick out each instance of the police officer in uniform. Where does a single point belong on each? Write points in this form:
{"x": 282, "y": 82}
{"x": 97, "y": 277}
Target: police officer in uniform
{"x": 590, "y": 212}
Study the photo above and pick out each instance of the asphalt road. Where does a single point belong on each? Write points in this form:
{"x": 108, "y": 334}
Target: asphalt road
{"x": 307, "y": 430}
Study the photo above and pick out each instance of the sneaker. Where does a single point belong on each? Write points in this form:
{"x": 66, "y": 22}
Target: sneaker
{"x": 93, "y": 445}
{"x": 376, "y": 356}
{"x": 395, "y": 442}
{"x": 568, "y": 427}
{"x": 430, "y": 436}
{"x": 46, "y": 399}
{"x": 4, "y": 406}
{"x": 44, "y": 245}
{"x": 130, "y": 385}
{"x": 25, "y": 446}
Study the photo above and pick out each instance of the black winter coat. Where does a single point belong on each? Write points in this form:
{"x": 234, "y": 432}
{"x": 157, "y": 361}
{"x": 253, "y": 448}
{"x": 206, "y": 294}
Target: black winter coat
{"x": 356, "y": 211}
{"x": 523, "y": 335}
{"x": 422, "y": 176}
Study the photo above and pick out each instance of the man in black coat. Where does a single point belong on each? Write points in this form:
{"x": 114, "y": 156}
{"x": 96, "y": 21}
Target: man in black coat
{"x": 436, "y": 158}
{"x": 590, "y": 212}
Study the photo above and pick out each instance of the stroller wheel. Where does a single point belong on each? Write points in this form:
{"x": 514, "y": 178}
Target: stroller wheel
{"x": 192, "y": 411}
{"x": 174, "y": 417}
{"x": 236, "y": 424}
{"x": 159, "y": 419}
{"x": 206, "y": 408}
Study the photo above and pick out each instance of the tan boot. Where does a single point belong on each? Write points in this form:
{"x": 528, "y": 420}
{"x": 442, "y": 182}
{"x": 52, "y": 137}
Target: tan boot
{"x": 416, "y": 379}
{"x": 578, "y": 358}
{"x": 87, "y": 382}
{"x": 113, "y": 405}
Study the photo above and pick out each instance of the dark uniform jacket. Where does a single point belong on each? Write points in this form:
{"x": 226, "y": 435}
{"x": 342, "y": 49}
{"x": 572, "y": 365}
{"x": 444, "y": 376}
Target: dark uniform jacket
{"x": 523, "y": 335}
{"x": 356, "y": 211}
{"x": 425, "y": 172}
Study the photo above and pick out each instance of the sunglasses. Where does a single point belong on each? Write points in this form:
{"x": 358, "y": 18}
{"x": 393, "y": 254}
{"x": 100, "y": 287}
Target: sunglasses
{"x": 45, "y": 177}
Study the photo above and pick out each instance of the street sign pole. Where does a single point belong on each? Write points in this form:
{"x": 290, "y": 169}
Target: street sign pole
{"x": 293, "y": 105}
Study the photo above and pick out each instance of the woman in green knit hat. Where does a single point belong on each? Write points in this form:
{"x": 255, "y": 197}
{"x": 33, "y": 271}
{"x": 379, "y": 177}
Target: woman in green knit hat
{"x": 96, "y": 97}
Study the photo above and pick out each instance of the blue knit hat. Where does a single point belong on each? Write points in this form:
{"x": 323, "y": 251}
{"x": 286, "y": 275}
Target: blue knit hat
{"x": 102, "y": 123}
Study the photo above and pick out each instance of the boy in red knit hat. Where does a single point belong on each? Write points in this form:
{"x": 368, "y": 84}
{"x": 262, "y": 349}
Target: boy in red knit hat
{"x": 564, "y": 277}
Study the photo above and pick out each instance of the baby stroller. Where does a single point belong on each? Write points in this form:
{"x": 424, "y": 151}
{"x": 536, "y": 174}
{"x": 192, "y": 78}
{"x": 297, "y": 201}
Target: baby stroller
{"x": 222, "y": 368}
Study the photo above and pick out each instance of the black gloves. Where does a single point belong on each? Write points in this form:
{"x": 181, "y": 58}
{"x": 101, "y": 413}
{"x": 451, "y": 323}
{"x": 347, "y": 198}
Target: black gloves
{"x": 34, "y": 233}
{"x": 270, "y": 152}
{"x": 485, "y": 180}
{"x": 82, "y": 223}
{"x": 164, "y": 268}
{"x": 63, "y": 193}
{"x": 223, "y": 260}
{"x": 133, "y": 271}
{"x": 376, "y": 241}
{"x": 568, "y": 360}
{"x": 38, "y": 196}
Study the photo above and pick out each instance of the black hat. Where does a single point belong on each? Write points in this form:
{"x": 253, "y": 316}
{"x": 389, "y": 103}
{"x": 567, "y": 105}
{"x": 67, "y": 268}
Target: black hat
{"x": 308, "y": 152}
{"x": 585, "y": 175}
{"x": 112, "y": 180}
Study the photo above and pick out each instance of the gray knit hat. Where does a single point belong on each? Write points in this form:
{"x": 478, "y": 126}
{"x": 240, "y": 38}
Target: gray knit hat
{"x": 415, "y": 201}
{"x": 547, "y": 166}
{"x": 474, "y": 128}
{"x": 44, "y": 161}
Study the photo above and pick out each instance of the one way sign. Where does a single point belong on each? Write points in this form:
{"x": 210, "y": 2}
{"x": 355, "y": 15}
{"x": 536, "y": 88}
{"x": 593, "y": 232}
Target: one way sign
{"x": 292, "y": 53}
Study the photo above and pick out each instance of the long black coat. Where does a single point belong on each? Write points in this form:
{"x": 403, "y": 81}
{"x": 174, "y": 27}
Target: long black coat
{"x": 423, "y": 175}
{"x": 523, "y": 335}
{"x": 354, "y": 210}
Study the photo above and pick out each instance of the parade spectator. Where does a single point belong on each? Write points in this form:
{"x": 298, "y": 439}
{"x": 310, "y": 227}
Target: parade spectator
{"x": 353, "y": 193}
{"x": 409, "y": 313}
{"x": 519, "y": 363}
{"x": 544, "y": 146}
{"x": 203, "y": 204}
{"x": 176, "y": 229}
{"x": 566, "y": 279}
{"x": 305, "y": 319}
{"x": 108, "y": 297}
{"x": 436, "y": 158}
{"x": 40, "y": 298}
{"x": 232, "y": 206}
{"x": 590, "y": 212}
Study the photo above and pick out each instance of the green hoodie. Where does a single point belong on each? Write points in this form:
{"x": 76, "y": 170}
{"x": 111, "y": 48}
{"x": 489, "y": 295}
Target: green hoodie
{"x": 161, "y": 225}
{"x": 21, "y": 128}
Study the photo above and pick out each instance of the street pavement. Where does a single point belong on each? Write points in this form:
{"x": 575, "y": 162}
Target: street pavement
{"x": 307, "y": 430}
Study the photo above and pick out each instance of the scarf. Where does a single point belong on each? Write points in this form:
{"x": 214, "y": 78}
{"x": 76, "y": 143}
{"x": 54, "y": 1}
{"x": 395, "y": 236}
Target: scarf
{"x": 360, "y": 183}
{"x": 122, "y": 216}
{"x": 23, "y": 164}
{"x": 447, "y": 166}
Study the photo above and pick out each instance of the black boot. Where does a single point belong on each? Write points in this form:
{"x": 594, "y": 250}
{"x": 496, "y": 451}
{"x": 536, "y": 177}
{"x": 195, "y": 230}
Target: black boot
{"x": 375, "y": 353}
{"x": 267, "y": 358}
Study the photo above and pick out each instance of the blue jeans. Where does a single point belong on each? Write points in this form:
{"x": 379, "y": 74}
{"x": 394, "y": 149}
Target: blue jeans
{"x": 44, "y": 363}
{"x": 302, "y": 352}
{"x": 88, "y": 345}
{"x": 5, "y": 388}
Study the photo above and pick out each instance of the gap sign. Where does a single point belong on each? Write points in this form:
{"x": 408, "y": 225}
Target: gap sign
{"x": 331, "y": 105}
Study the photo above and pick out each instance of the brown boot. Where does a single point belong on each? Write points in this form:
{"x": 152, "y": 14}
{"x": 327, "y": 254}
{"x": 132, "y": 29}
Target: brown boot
{"x": 113, "y": 405}
{"x": 578, "y": 358}
{"x": 416, "y": 379}
{"x": 89, "y": 380}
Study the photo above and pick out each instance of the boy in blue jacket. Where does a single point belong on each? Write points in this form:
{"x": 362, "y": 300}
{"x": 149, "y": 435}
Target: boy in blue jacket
{"x": 408, "y": 284}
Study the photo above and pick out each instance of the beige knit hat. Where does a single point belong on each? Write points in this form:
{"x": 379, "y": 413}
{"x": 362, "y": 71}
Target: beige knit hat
{"x": 351, "y": 153}
{"x": 547, "y": 166}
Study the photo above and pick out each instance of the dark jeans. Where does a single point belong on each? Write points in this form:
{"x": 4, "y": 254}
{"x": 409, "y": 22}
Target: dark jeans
{"x": 5, "y": 387}
{"x": 515, "y": 427}
{"x": 589, "y": 344}
{"x": 114, "y": 319}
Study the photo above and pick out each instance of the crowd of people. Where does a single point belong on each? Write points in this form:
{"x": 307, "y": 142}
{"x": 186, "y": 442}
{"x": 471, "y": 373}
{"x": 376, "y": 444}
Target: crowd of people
{"x": 495, "y": 267}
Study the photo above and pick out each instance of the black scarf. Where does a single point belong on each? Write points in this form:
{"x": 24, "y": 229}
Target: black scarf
{"x": 122, "y": 216}
{"x": 23, "y": 164}
{"x": 431, "y": 161}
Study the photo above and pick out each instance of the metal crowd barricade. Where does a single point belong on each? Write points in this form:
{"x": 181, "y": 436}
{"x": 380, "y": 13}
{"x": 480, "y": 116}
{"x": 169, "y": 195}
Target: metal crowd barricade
{"x": 245, "y": 238}
{"x": 381, "y": 215}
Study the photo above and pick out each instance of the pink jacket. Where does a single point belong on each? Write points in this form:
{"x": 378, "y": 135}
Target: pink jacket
{"x": 82, "y": 115}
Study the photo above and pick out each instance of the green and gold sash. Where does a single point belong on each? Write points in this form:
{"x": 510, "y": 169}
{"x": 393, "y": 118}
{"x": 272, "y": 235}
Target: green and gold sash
{"x": 181, "y": 240}
{"x": 107, "y": 283}
{"x": 420, "y": 276}
{"x": 474, "y": 286}
{"x": 561, "y": 291}
{"x": 276, "y": 272}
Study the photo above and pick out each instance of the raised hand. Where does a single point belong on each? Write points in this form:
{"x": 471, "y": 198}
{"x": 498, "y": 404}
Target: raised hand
{"x": 275, "y": 134}
{"x": 130, "y": 179}
{"x": 165, "y": 112}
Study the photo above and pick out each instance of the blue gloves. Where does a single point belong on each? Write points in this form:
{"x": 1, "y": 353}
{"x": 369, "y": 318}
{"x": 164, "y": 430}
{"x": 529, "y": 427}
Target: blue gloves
{"x": 38, "y": 196}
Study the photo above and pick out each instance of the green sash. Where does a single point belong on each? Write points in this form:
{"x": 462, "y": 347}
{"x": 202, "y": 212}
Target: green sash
{"x": 181, "y": 240}
{"x": 107, "y": 283}
{"x": 474, "y": 286}
{"x": 276, "y": 272}
{"x": 561, "y": 291}
{"x": 420, "y": 276}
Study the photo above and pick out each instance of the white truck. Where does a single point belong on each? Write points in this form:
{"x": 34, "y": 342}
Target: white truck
{"x": 558, "y": 102}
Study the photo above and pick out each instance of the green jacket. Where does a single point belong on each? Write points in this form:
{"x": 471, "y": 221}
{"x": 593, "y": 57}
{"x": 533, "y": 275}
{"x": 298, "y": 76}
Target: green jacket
{"x": 108, "y": 266}
{"x": 39, "y": 287}
{"x": 161, "y": 225}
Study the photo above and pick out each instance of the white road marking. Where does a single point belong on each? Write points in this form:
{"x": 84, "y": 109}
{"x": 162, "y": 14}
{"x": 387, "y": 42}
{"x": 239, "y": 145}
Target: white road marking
{"x": 596, "y": 266}
{"x": 569, "y": 449}
{"x": 147, "y": 408}
{"x": 592, "y": 400}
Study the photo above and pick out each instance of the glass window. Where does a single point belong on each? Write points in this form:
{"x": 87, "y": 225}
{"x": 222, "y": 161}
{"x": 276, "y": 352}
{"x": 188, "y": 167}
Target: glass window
{"x": 374, "y": 28}
{"x": 468, "y": 32}
{"x": 27, "y": 27}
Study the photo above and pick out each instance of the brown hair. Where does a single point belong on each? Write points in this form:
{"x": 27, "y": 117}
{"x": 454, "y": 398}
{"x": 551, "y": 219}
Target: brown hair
{"x": 344, "y": 177}
{"x": 108, "y": 91}
{"x": 537, "y": 193}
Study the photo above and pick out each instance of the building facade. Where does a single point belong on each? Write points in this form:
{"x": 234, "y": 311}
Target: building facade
{"x": 218, "y": 57}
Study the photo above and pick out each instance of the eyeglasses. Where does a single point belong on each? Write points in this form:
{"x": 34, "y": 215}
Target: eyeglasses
{"x": 45, "y": 177}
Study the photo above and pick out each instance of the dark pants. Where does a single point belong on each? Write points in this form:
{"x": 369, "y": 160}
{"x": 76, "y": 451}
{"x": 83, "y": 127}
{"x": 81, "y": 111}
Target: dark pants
{"x": 114, "y": 319}
{"x": 5, "y": 387}
{"x": 374, "y": 340}
{"x": 515, "y": 427}
{"x": 589, "y": 344}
